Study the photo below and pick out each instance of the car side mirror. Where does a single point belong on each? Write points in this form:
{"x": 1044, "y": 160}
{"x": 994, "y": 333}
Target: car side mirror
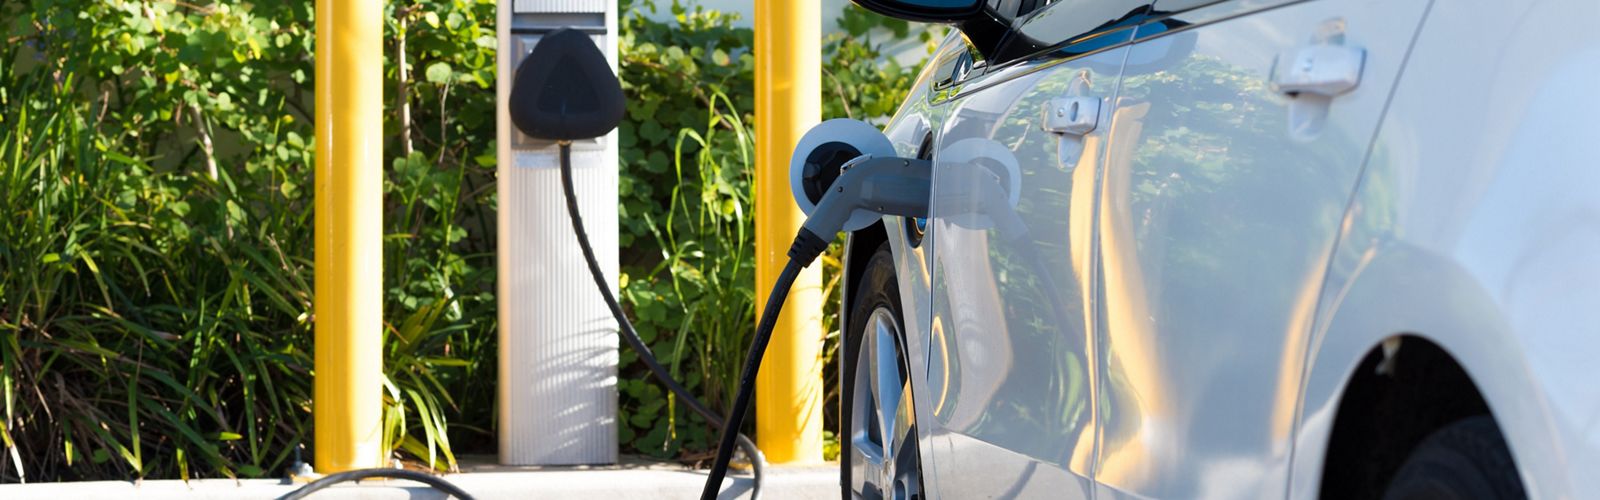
{"x": 976, "y": 19}
{"x": 934, "y": 11}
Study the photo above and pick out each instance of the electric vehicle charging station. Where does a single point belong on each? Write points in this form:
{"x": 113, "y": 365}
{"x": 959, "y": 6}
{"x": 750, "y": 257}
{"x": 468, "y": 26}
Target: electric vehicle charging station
{"x": 559, "y": 88}
{"x": 558, "y": 341}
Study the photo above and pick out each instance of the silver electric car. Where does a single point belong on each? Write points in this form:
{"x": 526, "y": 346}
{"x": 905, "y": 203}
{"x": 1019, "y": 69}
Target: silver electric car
{"x": 1237, "y": 249}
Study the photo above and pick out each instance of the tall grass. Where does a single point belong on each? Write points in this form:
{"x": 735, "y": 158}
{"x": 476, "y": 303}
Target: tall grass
{"x": 150, "y": 324}
{"x": 709, "y": 246}
{"x": 710, "y": 254}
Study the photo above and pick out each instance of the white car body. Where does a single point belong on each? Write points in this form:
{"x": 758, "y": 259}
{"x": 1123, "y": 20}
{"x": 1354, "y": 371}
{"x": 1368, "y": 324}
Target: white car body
{"x": 1223, "y": 262}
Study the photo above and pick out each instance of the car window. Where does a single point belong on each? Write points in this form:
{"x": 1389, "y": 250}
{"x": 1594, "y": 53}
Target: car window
{"x": 1012, "y": 9}
{"x": 1061, "y": 21}
{"x": 1170, "y": 6}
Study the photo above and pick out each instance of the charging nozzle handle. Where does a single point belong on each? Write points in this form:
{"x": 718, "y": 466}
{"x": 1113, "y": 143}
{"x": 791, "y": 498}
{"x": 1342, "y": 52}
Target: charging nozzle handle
{"x": 879, "y": 185}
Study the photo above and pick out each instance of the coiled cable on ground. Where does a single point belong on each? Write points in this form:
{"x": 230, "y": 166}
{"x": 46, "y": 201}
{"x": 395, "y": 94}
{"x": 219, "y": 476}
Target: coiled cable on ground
{"x": 431, "y": 480}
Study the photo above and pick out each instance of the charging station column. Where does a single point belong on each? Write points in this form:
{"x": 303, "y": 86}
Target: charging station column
{"x": 558, "y": 341}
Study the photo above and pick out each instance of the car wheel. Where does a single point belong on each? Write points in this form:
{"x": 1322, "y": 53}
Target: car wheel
{"x": 878, "y": 456}
{"x": 1464, "y": 460}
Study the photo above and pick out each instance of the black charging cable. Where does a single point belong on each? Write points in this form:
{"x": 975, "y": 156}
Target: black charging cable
{"x": 758, "y": 463}
{"x": 878, "y": 186}
{"x": 324, "y": 482}
{"x": 752, "y": 363}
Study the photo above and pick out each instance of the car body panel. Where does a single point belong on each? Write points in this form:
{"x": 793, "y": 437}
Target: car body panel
{"x": 1010, "y": 360}
{"x": 1221, "y": 204}
{"x": 1477, "y": 226}
{"x": 1453, "y": 201}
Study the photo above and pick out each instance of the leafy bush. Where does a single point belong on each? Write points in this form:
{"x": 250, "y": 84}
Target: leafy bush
{"x": 155, "y": 312}
{"x": 155, "y": 168}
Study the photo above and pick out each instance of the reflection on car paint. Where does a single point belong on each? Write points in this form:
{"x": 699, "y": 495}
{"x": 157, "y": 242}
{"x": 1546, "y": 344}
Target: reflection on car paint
{"x": 1216, "y": 229}
{"x": 1012, "y": 233}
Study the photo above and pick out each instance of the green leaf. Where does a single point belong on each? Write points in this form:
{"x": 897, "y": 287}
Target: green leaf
{"x": 439, "y": 72}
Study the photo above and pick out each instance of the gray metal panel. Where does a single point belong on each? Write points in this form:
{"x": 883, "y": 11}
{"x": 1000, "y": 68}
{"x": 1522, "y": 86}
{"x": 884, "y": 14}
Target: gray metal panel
{"x": 543, "y": 6}
{"x": 558, "y": 342}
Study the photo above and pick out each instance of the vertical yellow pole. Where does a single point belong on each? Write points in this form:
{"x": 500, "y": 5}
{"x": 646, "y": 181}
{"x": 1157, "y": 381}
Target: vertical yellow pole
{"x": 348, "y": 388}
{"x": 788, "y": 102}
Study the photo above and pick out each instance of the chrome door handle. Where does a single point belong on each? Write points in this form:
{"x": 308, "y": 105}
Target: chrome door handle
{"x": 1072, "y": 115}
{"x": 1070, "y": 119}
{"x": 1324, "y": 70}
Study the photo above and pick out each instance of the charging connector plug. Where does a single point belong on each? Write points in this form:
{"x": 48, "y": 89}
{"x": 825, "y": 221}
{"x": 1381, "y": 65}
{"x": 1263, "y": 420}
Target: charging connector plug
{"x": 876, "y": 185}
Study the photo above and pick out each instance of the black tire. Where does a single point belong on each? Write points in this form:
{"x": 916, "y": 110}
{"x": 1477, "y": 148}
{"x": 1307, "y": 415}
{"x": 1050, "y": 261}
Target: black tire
{"x": 878, "y": 288}
{"x": 1467, "y": 459}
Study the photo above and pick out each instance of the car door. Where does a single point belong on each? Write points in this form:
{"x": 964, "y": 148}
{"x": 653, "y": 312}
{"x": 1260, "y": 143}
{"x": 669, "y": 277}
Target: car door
{"x": 1225, "y": 184}
{"x": 1010, "y": 355}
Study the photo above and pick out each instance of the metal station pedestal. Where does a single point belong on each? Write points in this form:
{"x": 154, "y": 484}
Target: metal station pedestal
{"x": 558, "y": 341}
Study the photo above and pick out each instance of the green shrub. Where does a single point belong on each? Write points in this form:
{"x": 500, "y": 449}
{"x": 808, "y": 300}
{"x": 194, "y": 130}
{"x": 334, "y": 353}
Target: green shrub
{"x": 155, "y": 311}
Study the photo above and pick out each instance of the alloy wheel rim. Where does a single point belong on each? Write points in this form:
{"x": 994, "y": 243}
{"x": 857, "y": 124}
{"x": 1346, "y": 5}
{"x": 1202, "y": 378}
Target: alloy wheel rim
{"x": 883, "y": 459}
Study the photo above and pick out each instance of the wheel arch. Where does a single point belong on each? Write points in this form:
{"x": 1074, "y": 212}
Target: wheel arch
{"x": 858, "y": 248}
{"x": 1402, "y": 391}
{"x": 1433, "y": 310}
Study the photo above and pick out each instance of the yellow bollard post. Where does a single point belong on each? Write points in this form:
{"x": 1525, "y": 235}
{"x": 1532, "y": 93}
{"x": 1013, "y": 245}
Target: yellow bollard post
{"x": 788, "y": 102}
{"x": 348, "y": 386}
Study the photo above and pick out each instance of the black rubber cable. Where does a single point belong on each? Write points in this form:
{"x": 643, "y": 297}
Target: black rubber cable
{"x": 757, "y": 460}
{"x": 752, "y": 363}
{"x": 436, "y": 482}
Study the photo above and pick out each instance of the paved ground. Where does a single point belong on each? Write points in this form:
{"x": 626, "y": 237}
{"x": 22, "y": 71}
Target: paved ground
{"x": 631, "y": 480}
